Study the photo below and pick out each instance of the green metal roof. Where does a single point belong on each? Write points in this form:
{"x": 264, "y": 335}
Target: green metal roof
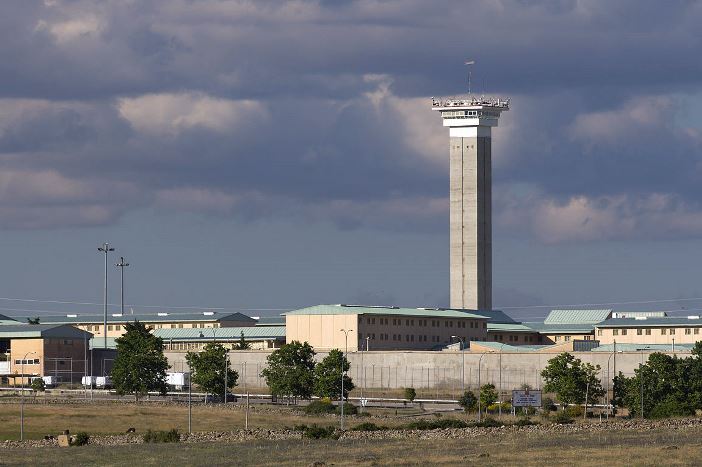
{"x": 502, "y": 347}
{"x": 543, "y": 328}
{"x": 378, "y": 310}
{"x": 577, "y": 316}
{"x": 250, "y": 332}
{"x": 508, "y": 327}
{"x": 27, "y": 331}
{"x": 7, "y": 320}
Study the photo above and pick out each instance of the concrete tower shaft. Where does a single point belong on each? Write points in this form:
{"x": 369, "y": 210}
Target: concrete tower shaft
{"x": 470, "y": 154}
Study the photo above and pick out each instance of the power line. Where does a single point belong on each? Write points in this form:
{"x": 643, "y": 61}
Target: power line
{"x": 633, "y": 302}
{"x": 206, "y": 308}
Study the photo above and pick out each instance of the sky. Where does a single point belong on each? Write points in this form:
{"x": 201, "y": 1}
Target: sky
{"x": 261, "y": 156}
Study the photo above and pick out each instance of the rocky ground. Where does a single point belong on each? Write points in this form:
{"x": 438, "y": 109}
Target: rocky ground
{"x": 461, "y": 433}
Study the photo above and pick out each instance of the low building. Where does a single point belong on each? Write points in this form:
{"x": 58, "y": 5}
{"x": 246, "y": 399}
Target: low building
{"x": 29, "y": 351}
{"x": 115, "y": 322}
{"x": 644, "y": 330}
{"x": 382, "y": 328}
{"x": 568, "y": 325}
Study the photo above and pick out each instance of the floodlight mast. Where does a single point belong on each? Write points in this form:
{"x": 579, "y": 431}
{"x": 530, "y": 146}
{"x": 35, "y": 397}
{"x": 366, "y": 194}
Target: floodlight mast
{"x": 105, "y": 248}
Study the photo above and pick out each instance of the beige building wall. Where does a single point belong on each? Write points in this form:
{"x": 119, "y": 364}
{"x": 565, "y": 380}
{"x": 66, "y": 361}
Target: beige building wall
{"x": 567, "y": 337}
{"x": 32, "y": 349}
{"x": 385, "y": 332}
{"x": 116, "y": 330}
{"x": 516, "y": 338}
{"x": 650, "y": 335}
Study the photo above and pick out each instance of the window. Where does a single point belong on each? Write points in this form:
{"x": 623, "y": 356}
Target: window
{"x": 180, "y": 325}
{"x": 672, "y": 331}
{"x": 648, "y": 332}
{"x": 615, "y": 332}
{"x": 599, "y": 332}
{"x": 639, "y": 332}
{"x": 406, "y": 322}
{"x": 697, "y": 330}
{"x": 445, "y": 324}
{"x": 412, "y": 337}
{"x": 624, "y": 332}
{"x": 662, "y": 331}
{"x": 485, "y": 325}
{"x": 109, "y": 328}
{"x": 450, "y": 324}
{"x": 173, "y": 326}
{"x": 412, "y": 322}
{"x": 688, "y": 331}
{"x": 567, "y": 338}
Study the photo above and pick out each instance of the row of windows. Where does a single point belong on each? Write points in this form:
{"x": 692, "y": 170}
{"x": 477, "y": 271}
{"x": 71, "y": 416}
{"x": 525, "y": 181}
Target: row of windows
{"x": 434, "y": 323}
{"x": 640, "y": 332}
{"x": 119, "y": 327}
{"x": 513, "y": 338}
{"x": 29, "y": 361}
{"x": 407, "y": 337}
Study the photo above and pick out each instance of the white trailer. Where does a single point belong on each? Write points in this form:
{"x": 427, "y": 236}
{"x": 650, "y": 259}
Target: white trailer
{"x": 50, "y": 381}
{"x": 103, "y": 382}
{"x": 178, "y": 380}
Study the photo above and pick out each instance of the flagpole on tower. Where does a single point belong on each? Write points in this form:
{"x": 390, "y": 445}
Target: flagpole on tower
{"x": 468, "y": 63}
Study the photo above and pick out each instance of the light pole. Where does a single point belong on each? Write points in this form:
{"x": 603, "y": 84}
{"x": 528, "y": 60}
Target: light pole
{"x": 463, "y": 364}
{"x": 22, "y": 397}
{"x": 608, "y": 380}
{"x": 105, "y": 248}
{"x": 363, "y": 371}
{"x": 226, "y": 355}
{"x": 499, "y": 407}
{"x": 343, "y": 371}
{"x": 479, "y": 388}
{"x": 121, "y": 265}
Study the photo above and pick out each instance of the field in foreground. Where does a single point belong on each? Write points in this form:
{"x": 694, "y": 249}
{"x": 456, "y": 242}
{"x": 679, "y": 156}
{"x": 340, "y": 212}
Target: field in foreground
{"x": 654, "y": 447}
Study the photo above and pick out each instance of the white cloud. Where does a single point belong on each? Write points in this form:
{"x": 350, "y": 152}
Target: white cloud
{"x": 172, "y": 113}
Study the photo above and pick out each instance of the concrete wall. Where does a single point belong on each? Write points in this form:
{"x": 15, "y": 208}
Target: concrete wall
{"x": 470, "y": 200}
{"x": 436, "y": 370}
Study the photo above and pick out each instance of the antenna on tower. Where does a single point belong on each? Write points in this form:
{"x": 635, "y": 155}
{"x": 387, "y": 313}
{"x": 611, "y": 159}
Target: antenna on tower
{"x": 468, "y": 63}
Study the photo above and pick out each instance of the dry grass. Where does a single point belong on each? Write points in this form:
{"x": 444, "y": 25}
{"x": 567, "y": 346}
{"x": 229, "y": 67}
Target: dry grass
{"x": 625, "y": 448}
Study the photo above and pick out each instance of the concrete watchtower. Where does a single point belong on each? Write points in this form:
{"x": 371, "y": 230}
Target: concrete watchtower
{"x": 470, "y": 121}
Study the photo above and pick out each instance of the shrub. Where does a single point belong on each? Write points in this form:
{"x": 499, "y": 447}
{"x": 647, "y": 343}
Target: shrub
{"x": 410, "y": 394}
{"x": 436, "y": 424}
{"x": 562, "y": 418}
{"x": 38, "y": 385}
{"x": 320, "y": 407}
{"x": 468, "y": 401}
{"x": 369, "y": 426}
{"x": 548, "y": 405}
{"x": 170, "y": 436}
{"x": 81, "y": 439}
{"x": 489, "y": 423}
{"x": 494, "y": 408}
{"x": 320, "y": 432}
{"x": 574, "y": 411}
{"x": 349, "y": 409}
{"x": 525, "y": 422}
{"x": 671, "y": 408}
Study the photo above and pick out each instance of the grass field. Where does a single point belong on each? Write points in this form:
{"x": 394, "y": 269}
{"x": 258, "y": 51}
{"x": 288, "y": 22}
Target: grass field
{"x": 624, "y": 448}
{"x": 43, "y": 419}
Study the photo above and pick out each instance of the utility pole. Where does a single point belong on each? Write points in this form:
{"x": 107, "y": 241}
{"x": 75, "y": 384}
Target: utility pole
{"x": 225, "y": 375}
{"x": 122, "y": 265}
{"x": 105, "y": 248}
{"x": 343, "y": 371}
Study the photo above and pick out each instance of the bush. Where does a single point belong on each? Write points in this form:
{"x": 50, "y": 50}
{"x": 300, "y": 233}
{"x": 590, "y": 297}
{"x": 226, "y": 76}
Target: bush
{"x": 525, "y": 422}
{"x": 468, "y": 401}
{"x": 320, "y": 432}
{"x": 488, "y": 423}
{"x": 410, "y": 394}
{"x": 38, "y": 385}
{"x": 81, "y": 439}
{"x": 369, "y": 426}
{"x": 494, "y": 408}
{"x": 671, "y": 408}
{"x": 321, "y": 406}
{"x": 575, "y": 411}
{"x": 349, "y": 409}
{"x": 528, "y": 411}
{"x": 548, "y": 405}
{"x": 440, "y": 424}
{"x": 562, "y": 418}
{"x": 170, "y": 436}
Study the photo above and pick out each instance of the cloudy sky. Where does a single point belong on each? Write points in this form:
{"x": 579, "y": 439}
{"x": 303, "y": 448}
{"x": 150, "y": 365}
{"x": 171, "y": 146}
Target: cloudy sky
{"x": 263, "y": 155}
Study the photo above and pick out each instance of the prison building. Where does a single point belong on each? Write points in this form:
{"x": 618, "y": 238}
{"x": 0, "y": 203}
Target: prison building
{"x": 567, "y": 325}
{"x": 28, "y": 351}
{"x": 328, "y": 327}
{"x": 645, "y": 330}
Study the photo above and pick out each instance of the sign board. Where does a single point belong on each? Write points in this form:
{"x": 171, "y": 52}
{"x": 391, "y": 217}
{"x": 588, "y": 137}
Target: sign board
{"x": 364, "y": 402}
{"x": 526, "y": 398}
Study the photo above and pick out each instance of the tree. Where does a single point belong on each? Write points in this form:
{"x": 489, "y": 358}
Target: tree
{"x": 33, "y": 320}
{"x": 327, "y": 376}
{"x": 140, "y": 365}
{"x": 38, "y": 385}
{"x": 488, "y": 395}
{"x": 468, "y": 401}
{"x": 242, "y": 345}
{"x": 410, "y": 394}
{"x": 570, "y": 379}
{"x": 290, "y": 371}
{"x": 208, "y": 368}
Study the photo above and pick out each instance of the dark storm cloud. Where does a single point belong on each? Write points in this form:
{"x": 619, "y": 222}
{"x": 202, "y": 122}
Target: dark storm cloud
{"x": 317, "y": 109}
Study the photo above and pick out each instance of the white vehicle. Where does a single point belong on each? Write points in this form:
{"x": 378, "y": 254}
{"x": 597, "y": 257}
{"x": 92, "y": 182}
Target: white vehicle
{"x": 178, "y": 380}
{"x": 88, "y": 381}
{"x": 50, "y": 381}
{"x": 103, "y": 382}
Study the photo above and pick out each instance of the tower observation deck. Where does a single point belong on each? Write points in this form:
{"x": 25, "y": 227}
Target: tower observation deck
{"x": 470, "y": 120}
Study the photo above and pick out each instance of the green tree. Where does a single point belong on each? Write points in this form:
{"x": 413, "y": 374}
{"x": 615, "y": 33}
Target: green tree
{"x": 290, "y": 371}
{"x": 327, "y": 376}
{"x": 140, "y": 365}
{"x": 33, "y": 320}
{"x": 208, "y": 369}
{"x": 488, "y": 395}
{"x": 468, "y": 401}
{"x": 570, "y": 379}
{"x": 242, "y": 344}
{"x": 410, "y": 394}
{"x": 38, "y": 385}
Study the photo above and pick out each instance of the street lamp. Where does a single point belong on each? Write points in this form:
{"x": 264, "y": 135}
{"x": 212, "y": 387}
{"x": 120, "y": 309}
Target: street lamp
{"x": 479, "y": 388}
{"x": 105, "y": 248}
{"x": 121, "y": 265}
{"x": 463, "y": 364}
{"x": 343, "y": 371}
{"x": 22, "y": 397}
{"x": 499, "y": 407}
{"x": 363, "y": 370}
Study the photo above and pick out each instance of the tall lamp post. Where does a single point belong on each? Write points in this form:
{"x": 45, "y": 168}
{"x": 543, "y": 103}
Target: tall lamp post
{"x": 343, "y": 371}
{"x": 479, "y": 388}
{"x": 22, "y": 397}
{"x": 463, "y": 364}
{"x": 121, "y": 265}
{"x": 105, "y": 248}
{"x": 499, "y": 407}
